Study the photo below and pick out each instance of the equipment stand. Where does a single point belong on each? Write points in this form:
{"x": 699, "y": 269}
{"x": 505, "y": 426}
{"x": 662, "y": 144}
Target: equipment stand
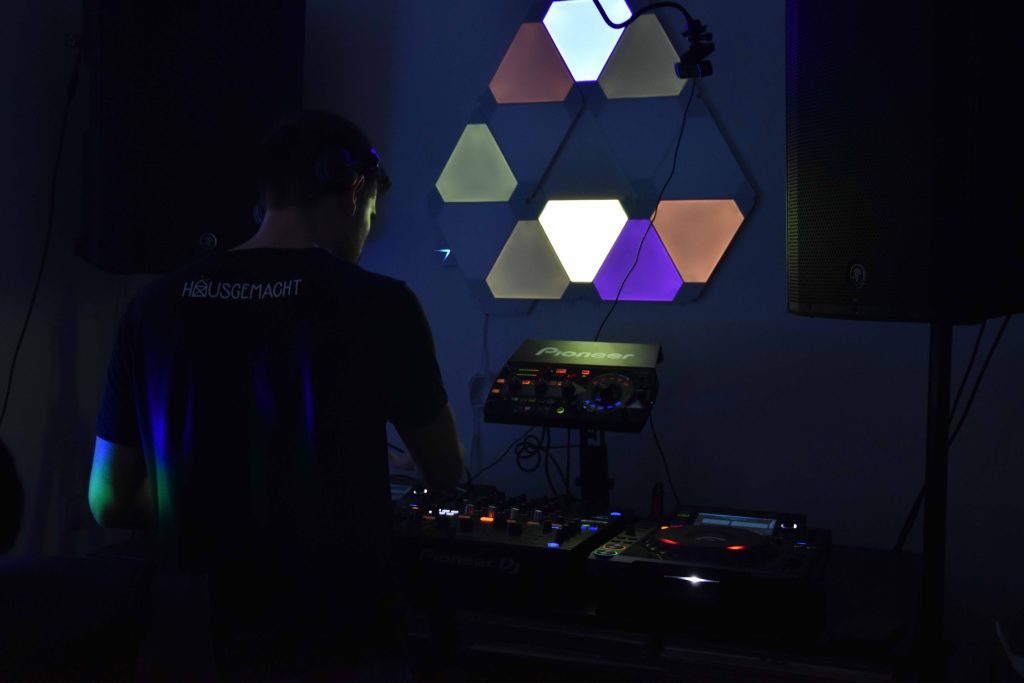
{"x": 593, "y": 480}
{"x": 931, "y": 646}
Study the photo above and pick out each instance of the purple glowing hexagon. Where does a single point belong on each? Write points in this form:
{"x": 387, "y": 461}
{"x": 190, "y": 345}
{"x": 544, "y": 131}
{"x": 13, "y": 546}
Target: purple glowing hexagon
{"x": 654, "y": 278}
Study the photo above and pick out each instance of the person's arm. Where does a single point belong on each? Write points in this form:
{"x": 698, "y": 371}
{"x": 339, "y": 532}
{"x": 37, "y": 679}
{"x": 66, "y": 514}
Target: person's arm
{"x": 436, "y": 450}
{"x": 119, "y": 494}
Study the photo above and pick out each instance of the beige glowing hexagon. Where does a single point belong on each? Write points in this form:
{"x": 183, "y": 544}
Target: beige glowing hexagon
{"x": 643, "y": 63}
{"x": 476, "y": 170}
{"x": 527, "y": 267}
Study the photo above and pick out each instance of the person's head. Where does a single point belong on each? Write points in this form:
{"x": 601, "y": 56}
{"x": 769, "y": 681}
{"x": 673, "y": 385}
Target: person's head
{"x": 323, "y": 167}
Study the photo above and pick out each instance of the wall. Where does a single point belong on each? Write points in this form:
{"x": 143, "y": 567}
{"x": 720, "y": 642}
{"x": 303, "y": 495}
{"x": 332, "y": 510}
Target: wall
{"x": 759, "y": 409}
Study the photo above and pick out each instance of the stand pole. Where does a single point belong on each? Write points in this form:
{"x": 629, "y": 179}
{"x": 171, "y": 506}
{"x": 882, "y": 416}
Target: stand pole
{"x": 593, "y": 480}
{"x": 931, "y": 648}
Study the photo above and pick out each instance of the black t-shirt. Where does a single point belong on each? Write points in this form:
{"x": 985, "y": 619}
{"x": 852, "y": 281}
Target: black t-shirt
{"x": 257, "y": 384}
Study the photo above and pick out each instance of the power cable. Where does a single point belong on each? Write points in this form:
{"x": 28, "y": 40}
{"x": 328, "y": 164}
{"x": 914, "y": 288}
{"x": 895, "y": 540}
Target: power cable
{"x": 71, "y": 88}
{"x": 915, "y": 509}
{"x": 650, "y": 223}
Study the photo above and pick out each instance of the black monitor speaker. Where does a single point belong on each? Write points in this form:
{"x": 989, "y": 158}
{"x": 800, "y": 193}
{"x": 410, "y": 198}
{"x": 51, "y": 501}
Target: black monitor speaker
{"x": 904, "y": 147}
{"x": 180, "y": 95}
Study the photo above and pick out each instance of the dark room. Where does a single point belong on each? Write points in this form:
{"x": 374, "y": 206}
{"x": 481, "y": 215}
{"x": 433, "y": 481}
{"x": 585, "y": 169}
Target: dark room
{"x": 471, "y": 341}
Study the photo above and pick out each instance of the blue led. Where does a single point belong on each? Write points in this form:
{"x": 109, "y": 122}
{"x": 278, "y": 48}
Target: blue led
{"x": 591, "y": 528}
{"x": 552, "y": 544}
{"x": 616, "y": 514}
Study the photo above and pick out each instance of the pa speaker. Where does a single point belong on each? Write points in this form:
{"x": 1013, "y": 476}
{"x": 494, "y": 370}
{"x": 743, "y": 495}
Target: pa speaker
{"x": 180, "y": 95}
{"x": 904, "y": 145}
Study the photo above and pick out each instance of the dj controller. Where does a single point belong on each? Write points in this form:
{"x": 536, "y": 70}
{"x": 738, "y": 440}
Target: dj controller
{"x": 705, "y": 568}
{"x": 722, "y": 567}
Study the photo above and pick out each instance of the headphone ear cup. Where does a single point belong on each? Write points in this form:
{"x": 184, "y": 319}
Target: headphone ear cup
{"x": 335, "y": 168}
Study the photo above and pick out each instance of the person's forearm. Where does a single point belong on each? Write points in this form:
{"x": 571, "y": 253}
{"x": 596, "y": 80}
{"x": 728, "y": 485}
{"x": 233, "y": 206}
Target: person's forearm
{"x": 144, "y": 512}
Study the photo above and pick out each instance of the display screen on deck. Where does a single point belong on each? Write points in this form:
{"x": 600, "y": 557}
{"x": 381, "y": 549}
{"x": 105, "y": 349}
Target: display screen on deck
{"x": 759, "y": 525}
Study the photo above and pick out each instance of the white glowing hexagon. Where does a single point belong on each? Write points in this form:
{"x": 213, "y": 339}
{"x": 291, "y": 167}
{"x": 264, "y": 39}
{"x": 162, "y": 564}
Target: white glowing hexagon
{"x": 583, "y": 38}
{"x": 582, "y": 232}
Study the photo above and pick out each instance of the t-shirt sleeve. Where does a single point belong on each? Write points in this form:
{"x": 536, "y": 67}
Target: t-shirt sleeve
{"x": 416, "y": 393}
{"x": 118, "y": 418}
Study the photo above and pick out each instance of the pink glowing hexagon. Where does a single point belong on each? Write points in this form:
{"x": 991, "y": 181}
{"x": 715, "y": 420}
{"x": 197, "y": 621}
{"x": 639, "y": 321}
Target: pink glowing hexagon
{"x": 532, "y": 69}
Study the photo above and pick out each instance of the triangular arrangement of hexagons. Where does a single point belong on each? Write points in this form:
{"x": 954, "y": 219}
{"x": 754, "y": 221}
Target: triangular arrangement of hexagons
{"x": 562, "y": 174}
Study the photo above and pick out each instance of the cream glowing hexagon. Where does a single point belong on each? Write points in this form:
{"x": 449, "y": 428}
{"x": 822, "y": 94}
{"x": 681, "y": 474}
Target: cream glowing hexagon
{"x": 582, "y": 232}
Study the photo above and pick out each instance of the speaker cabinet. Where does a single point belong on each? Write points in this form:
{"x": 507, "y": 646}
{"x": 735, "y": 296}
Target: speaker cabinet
{"x": 903, "y": 152}
{"x": 180, "y": 94}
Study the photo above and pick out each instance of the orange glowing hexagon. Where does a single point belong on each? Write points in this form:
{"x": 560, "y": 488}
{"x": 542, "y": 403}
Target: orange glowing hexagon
{"x": 696, "y": 232}
{"x": 532, "y": 69}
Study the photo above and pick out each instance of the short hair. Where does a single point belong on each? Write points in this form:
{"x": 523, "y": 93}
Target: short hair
{"x": 296, "y": 148}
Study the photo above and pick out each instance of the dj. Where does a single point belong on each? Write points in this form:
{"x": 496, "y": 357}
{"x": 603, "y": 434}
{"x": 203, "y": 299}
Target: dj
{"x": 244, "y": 416}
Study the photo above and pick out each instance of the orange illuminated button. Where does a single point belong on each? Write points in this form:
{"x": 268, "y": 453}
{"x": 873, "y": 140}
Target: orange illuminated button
{"x": 736, "y": 547}
{"x": 560, "y": 371}
{"x": 495, "y": 391}
{"x": 487, "y": 519}
{"x": 500, "y": 380}
{"x": 669, "y": 541}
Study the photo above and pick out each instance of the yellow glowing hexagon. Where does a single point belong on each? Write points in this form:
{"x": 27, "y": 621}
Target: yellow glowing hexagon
{"x": 527, "y": 268}
{"x": 476, "y": 171}
{"x": 643, "y": 63}
{"x": 696, "y": 232}
{"x": 582, "y": 232}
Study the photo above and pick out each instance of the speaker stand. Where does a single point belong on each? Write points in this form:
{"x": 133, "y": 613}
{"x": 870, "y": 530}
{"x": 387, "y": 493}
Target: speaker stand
{"x": 931, "y": 646}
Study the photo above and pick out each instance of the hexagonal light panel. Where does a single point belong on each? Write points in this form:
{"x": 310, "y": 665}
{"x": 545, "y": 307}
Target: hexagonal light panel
{"x": 582, "y": 231}
{"x": 532, "y": 69}
{"x": 643, "y": 63}
{"x": 696, "y": 232}
{"x": 654, "y": 278}
{"x": 581, "y": 35}
{"x": 527, "y": 267}
{"x": 476, "y": 170}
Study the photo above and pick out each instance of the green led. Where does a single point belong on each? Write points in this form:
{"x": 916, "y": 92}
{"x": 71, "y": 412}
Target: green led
{"x": 560, "y": 409}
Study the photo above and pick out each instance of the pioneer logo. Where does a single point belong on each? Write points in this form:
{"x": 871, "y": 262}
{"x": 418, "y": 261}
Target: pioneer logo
{"x": 505, "y": 565}
{"x": 555, "y": 351}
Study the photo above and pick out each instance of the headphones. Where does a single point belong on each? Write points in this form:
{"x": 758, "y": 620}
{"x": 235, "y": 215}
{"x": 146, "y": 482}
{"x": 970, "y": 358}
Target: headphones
{"x": 336, "y": 170}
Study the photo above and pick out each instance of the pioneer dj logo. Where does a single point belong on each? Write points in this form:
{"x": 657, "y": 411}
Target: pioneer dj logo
{"x": 504, "y": 565}
{"x": 555, "y": 351}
